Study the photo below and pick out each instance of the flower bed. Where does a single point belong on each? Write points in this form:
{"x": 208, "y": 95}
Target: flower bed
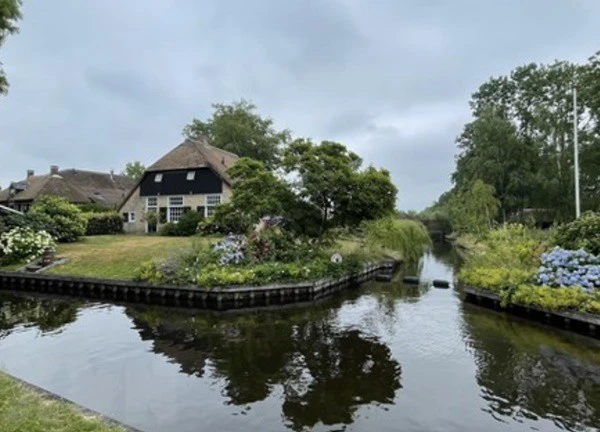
{"x": 514, "y": 266}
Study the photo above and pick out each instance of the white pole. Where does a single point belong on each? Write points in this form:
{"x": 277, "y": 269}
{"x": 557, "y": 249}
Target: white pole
{"x": 576, "y": 154}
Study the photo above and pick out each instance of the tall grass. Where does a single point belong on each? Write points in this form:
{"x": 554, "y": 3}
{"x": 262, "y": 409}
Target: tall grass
{"x": 408, "y": 237}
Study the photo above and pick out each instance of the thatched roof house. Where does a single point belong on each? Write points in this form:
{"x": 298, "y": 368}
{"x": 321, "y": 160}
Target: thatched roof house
{"x": 77, "y": 186}
{"x": 192, "y": 176}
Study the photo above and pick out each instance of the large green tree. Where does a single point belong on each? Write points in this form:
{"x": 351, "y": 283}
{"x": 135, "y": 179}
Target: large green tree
{"x": 238, "y": 128}
{"x": 10, "y": 13}
{"x": 329, "y": 179}
{"x": 528, "y": 116}
{"x": 134, "y": 170}
{"x": 492, "y": 151}
{"x": 474, "y": 208}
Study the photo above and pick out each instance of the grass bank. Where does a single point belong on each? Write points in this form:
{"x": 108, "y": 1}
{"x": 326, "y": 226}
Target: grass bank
{"x": 24, "y": 410}
{"x": 117, "y": 256}
{"x": 506, "y": 262}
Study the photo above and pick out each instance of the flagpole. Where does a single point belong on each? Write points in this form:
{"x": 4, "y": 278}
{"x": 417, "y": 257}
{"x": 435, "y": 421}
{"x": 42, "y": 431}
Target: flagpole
{"x": 576, "y": 154}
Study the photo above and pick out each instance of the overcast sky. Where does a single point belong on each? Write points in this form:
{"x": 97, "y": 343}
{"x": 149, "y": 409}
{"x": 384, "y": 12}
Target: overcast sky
{"x": 95, "y": 84}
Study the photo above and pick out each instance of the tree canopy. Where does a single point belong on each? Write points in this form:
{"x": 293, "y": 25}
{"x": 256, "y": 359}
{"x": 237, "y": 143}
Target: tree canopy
{"x": 10, "y": 13}
{"x": 474, "y": 208}
{"x": 238, "y": 128}
{"x": 134, "y": 170}
{"x": 324, "y": 187}
{"x": 521, "y": 139}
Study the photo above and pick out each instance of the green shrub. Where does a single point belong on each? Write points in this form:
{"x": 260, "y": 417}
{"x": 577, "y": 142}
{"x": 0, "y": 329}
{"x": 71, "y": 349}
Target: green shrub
{"x": 63, "y": 220}
{"x": 169, "y": 229}
{"x": 22, "y": 244}
{"x": 103, "y": 223}
{"x": 408, "y": 237}
{"x": 582, "y": 233}
{"x": 187, "y": 225}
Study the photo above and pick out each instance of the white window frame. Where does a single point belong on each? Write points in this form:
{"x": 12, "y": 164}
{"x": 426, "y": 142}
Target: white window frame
{"x": 158, "y": 178}
{"x": 178, "y": 206}
{"x": 191, "y": 175}
{"x": 209, "y": 208}
{"x": 131, "y": 217}
{"x": 151, "y": 207}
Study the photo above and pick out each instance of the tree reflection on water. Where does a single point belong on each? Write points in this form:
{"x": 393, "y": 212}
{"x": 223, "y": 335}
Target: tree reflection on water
{"x": 326, "y": 372}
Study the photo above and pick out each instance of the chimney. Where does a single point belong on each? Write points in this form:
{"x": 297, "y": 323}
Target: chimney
{"x": 30, "y": 173}
{"x": 53, "y": 169}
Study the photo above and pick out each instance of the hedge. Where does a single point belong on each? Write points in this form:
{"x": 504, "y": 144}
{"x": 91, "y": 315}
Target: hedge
{"x": 103, "y": 223}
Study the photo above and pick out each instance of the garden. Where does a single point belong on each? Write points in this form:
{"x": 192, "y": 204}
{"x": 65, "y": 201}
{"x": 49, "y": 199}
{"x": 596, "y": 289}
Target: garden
{"x": 555, "y": 270}
{"x": 331, "y": 221}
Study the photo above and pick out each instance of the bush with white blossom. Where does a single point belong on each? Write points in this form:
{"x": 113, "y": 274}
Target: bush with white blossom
{"x": 24, "y": 244}
{"x": 566, "y": 268}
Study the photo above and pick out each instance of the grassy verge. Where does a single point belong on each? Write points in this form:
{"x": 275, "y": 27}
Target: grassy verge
{"x": 117, "y": 256}
{"x": 506, "y": 262}
{"x": 24, "y": 410}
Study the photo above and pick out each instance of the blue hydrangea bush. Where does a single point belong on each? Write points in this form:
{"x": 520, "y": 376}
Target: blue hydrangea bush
{"x": 569, "y": 268}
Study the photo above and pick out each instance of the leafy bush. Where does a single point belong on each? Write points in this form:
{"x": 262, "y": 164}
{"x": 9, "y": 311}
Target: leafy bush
{"x": 565, "y": 268}
{"x": 23, "y": 244}
{"x": 169, "y": 229}
{"x": 103, "y": 223}
{"x": 408, "y": 237}
{"x": 64, "y": 221}
{"x": 582, "y": 233}
{"x": 187, "y": 225}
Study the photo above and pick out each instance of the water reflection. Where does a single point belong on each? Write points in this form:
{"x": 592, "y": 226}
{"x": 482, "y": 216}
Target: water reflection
{"x": 326, "y": 372}
{"x": 527, "y": 372}
{"x": 428, "y": 361}
{"x": 47, "y": 314}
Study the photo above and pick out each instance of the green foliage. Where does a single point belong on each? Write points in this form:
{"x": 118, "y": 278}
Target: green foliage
{"x": 103, "y": 223}
{"x": 277, "y": 245}
{"x": 332, "y": 186}
{"x": 22, "y": 244}
{"x": 582, "y": 233}
{"x": 473, "y": 209}
{"x": 10, "y": 13}
{"x": 552, "y": 299}
{"x": 239, "y": 129}
{"x": 187, "y": 226}
{"x": 521, "y": 139}
{"x": 63, "y": 220}
{"x": 408, "y": 237}
{"x": 257, "y": 192}
{"x": 134, "y": 170}
{"x": 509, "y": 257}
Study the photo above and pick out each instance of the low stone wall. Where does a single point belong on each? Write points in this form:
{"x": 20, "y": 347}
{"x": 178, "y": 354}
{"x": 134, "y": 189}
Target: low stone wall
{"x": 189, "y": 296}
{"x": 579, "y": 322}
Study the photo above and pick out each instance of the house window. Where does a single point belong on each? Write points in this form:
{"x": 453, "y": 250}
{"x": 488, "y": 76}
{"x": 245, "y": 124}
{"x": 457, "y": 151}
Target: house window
{"x": 175, "y": 208}
{"x": 131, "y": 216}
{"x": 151, "y": 203}
{"x": 211, "y": 202}
{"x": 158, "y": 178}
{"x": 191, "y": 175}
{"x": 126, "y": 217}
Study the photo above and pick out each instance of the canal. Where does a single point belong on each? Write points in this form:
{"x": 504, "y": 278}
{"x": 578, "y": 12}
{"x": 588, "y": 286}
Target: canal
{"x": 383, "y": 357}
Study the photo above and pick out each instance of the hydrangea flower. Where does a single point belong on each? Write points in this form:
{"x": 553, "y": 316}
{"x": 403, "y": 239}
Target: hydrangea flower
{"x": 561, "y": 267}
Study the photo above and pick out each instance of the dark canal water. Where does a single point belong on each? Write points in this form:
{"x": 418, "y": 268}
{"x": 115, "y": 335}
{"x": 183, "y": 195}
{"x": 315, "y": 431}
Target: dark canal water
{"x": 385, "y": 357}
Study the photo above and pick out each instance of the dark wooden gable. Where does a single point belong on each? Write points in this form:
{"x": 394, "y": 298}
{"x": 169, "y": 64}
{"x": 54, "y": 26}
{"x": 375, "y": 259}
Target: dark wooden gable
{"x": 176, "y": 183}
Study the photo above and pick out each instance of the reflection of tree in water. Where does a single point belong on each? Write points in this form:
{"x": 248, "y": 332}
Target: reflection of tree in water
{"x": 326, "y": 373}
{"x": 335, "y": 373}
{"x": 529, "y": 372}
{"x": 47, "y": 313}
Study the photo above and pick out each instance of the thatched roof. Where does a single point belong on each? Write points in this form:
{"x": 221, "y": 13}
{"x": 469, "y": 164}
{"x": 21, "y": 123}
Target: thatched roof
{"x": 77, "y": 186}
{"x": 196, "y": 153}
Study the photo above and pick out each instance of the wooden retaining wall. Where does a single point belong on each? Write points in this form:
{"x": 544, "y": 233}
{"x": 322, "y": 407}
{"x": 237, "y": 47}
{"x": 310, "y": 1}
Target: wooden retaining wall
{"x": 579, "y": 322}
{"x": 189, "y": 296}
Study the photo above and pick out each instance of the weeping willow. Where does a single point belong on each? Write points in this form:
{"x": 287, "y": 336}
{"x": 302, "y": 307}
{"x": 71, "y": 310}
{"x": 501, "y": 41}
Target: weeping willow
{"x": 408, "y": 237}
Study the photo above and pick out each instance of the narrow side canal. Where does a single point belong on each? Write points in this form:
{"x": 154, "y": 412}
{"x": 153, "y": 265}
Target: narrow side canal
{"x": 384, "y": 357}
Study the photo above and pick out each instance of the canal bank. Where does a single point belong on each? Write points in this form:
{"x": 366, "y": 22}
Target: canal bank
{"x": 387, "y": 356}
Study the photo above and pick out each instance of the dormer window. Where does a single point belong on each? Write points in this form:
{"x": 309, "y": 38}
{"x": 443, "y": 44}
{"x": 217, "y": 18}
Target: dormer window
{"x": 158, "y": 178}
{"x": 191, "y": 175}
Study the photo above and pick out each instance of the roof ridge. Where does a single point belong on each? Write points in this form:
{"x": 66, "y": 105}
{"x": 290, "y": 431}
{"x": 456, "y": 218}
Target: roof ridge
{"x": 204, "y": 141}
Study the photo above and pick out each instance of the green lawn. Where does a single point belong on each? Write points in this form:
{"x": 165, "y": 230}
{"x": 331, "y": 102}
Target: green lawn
{"x": 117, "y": 256}
{"x": 24, "y": 410}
